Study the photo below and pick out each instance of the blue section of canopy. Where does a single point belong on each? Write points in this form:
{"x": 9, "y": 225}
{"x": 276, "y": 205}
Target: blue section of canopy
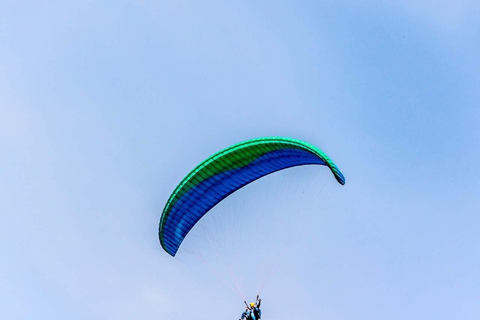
{"x": 194, "y": 204}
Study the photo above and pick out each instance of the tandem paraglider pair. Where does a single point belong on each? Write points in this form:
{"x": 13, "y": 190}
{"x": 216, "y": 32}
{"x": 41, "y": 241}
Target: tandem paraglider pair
{"x": 252, "y": 311}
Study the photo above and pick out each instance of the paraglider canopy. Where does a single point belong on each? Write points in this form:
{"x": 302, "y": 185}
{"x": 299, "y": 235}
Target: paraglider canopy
{"x": 227, "y": 171}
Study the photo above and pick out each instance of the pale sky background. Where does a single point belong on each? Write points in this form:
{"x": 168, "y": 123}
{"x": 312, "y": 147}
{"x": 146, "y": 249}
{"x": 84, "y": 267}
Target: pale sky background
{"x": 105, "y": 106}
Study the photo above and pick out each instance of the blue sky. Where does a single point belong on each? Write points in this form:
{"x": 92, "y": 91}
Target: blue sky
{"x": 106, "y": 106}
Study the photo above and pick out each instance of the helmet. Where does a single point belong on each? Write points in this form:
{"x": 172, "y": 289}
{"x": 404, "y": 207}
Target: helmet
{"x": 252, "y": 304}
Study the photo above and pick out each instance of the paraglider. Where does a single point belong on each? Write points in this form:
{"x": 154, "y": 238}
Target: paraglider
{"x": 226, "y": 172}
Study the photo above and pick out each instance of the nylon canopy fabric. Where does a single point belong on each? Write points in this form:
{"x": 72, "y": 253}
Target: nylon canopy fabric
{"x": 227, "y": 171}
